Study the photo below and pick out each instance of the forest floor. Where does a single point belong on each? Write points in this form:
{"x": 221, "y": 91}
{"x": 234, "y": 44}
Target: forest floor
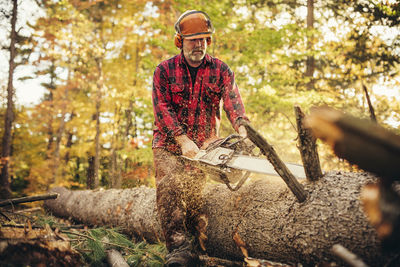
{"x": 31, "y": 236}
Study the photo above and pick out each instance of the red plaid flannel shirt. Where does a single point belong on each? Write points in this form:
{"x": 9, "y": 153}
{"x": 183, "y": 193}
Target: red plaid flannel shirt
{"x": 179, "y": 108}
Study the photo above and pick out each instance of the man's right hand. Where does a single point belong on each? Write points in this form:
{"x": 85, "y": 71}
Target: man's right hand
{"x": 188, "y": 147}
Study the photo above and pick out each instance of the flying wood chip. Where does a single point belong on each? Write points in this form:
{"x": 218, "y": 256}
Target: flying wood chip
{"x": 240, "y": 243}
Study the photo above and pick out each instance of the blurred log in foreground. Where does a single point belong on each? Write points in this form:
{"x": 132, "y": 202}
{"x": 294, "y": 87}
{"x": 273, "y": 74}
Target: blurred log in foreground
{"x": 374, "y": 149}
{"x": 36, "y": 247}
{"x": 264, "y": 215}
{"x": 360, "y": 141}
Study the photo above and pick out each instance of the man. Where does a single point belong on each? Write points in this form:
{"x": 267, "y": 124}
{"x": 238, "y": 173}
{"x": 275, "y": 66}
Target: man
{"x": 187, "y": 91}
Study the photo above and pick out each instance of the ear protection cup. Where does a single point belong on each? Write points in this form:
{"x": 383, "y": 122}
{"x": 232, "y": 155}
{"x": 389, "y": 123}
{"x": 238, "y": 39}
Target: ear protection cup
{"x": 178, "y": 40}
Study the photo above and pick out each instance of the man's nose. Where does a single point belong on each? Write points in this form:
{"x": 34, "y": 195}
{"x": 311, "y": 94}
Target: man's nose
{"x": 199, "y": 42}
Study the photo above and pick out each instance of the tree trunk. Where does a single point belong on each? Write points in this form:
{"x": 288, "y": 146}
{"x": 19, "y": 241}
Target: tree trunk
{"x": 69, "y": 141}
{"x": 370, "y": 106}
{"x": 310, "y": 64}
{"x": 96, "y": 181}
{"x": 60, "y": 132}
{"x": 90, "y": 173}
{"x": 264, "y": 214}
{"x": 5, "y": 190}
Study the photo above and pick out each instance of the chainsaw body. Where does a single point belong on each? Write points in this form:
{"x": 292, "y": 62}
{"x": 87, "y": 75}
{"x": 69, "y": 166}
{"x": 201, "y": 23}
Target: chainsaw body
{"x": 231, "y": 160}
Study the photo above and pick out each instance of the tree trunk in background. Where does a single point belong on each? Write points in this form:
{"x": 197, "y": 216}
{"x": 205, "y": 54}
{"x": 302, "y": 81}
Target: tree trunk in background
{"x": 60, "y": 132}
{"x": 69, "y": 141}
{"x": 90, "y": 173}
{"x": 310, "y": 65}
{"x": 100, "y": 84}
{"x": 50, "y": 98}
{"x": 264, "y": 214}
{"x": 5, "y": 190}
{"x": 370, "y": 106}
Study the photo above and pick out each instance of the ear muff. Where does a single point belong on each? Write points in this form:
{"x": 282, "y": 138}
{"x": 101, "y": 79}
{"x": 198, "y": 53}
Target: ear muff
{"x": 208, "y": 41}
{"x": 178, "y": 40}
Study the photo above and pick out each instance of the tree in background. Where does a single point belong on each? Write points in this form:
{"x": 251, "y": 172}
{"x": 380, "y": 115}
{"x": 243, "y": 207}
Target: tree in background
{"x": 5, "y": 191}
{"x": 99, "y": 57}
{"x": 19, "y": 50}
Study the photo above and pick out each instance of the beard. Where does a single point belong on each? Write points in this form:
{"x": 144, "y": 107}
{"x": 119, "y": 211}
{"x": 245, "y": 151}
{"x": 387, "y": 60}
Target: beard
{"x": 196, "y": 55}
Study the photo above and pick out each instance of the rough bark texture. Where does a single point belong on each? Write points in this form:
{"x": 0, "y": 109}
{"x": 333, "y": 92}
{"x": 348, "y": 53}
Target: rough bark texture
{"x": 375, "y": 149}
{"x": 264, "y": 213}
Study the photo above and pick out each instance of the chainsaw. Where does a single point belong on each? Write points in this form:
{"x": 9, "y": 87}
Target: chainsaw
{"x": 231, "y": 160}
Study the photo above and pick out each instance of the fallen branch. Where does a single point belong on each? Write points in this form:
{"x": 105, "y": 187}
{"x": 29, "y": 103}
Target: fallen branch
{"x": 20, "y": 200}
{"x": 115, "y": 259}
{"x": 213, "y": 261}
{"x": 347, "y": 256}
{"x": 308, "y": 148}
{"x": 280, "y": 167}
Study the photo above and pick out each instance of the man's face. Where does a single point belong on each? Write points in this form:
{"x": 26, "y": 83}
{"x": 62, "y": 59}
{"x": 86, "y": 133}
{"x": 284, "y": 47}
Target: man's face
{"x": 194, "y": 50}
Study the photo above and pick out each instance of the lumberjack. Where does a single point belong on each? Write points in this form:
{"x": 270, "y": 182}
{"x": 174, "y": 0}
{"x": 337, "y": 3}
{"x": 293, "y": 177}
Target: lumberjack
{"x": 187, "y": 91}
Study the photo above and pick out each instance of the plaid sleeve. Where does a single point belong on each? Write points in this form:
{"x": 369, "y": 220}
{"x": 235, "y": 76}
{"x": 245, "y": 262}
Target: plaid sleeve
{"x": 165, "y": 118}
{"x": 233, "y": 104}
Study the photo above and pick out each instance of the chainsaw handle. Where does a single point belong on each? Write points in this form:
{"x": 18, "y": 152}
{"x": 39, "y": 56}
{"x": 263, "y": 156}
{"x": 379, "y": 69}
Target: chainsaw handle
{"x": 223, "y": 141}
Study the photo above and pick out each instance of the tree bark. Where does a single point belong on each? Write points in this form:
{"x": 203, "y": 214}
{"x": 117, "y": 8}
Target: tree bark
{"x": 5, "y": 190}
{"x": 372, "y": 148}
{"x": 264, "y": 214}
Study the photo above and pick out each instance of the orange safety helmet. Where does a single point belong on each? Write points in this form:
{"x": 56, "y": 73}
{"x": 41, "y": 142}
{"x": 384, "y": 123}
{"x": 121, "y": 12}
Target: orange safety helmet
{"x": 193, "y": 24}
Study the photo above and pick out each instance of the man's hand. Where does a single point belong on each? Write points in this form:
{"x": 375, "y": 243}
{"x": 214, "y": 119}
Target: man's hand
{"x": 188, "y": 147}
{"x": 242, "y": 131}
{"x": 209, "y": 141}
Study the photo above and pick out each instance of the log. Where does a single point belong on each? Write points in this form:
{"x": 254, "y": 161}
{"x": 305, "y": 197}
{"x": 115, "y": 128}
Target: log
{"x": 264, "y": 214}
{"x": 375, "y": 149}
{"x": 308, "y": 148}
